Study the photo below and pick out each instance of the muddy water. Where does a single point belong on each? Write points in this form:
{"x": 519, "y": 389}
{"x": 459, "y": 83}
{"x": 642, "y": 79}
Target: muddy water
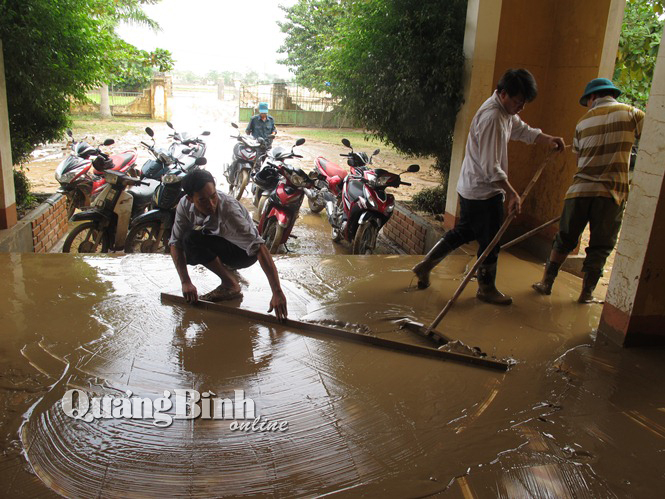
{"x": 360, "y": 419}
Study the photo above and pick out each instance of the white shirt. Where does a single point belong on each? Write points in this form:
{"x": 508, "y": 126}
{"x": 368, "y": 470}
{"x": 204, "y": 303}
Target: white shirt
{"x": 231, "y": 221}
{"x": 486, "y": 154}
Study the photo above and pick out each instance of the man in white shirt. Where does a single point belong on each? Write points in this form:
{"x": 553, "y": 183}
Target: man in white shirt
{"x": 483, "y": 181}
{"x": 215, "y": 230}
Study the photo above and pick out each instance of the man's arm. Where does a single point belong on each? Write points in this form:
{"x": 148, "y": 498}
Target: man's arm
{"x": 514, "y": 199}
{"x": 554, "y": 142}
{"x": 180, "y": 262}
{"x": 250, "y": 126}
{"x": 278, "y": 301}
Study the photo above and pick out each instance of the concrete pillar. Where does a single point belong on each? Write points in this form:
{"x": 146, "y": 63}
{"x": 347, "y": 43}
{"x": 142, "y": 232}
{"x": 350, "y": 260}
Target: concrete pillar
{"x": 634, "y": 311}
{"x": 480, "y": 43}
{"x": 159, "y": 99}
{"x": 8, "y": 215}
{"x": 220, "y": 89}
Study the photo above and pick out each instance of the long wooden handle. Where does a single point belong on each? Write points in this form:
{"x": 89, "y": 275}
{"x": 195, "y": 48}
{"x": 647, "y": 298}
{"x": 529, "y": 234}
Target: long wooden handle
{"x": 527, "y": 235}
{"x": 489, "y": 248}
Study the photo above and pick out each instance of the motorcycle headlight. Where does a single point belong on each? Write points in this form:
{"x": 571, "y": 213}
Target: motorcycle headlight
{"x": 170, "y": 179}
{"x": 65, "y": 178}
{"x": 297, "y": 180}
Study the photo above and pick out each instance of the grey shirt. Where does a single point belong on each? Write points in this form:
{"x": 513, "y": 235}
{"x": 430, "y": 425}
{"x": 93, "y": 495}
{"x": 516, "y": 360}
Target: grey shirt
{"x": 231, "y": 221}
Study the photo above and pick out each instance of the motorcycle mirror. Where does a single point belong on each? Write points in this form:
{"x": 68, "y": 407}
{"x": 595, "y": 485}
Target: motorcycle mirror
{"x": 69, "y": 132}
{"x": 206, "y": 133}
{"x": 234, "y": 125}
{"x": 300, "y": 142}
{"x": 314, "y": 175}
{"x": 200, "y": 161}
{"x": 347, "y": 143}
{"x": 149, "y": 131}
{"x": 109, "y": 142}
{"x": 413, "y": 168}
{"x": 170, "y": 125}
{"x": 376, "y": 152}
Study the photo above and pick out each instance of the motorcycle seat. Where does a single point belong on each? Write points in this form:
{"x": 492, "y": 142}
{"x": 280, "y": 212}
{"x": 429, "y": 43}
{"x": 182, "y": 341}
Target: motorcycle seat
{"x": 331, "y": 168}
{"x": 121, "y": 160}
{"x": 142, "y": 194}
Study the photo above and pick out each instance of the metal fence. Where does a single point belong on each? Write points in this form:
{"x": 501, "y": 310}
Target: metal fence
{"x": 292, "y": 105}
{"x": 115, "y": 98}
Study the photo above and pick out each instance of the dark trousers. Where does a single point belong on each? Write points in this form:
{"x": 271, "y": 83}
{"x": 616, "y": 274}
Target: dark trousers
{"x": 201, "y": 249}
{"x": 479, "y": 221}
{"x": 604, "y": 218}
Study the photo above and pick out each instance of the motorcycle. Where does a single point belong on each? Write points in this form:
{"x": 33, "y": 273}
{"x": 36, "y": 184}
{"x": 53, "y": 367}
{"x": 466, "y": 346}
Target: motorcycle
{"x": 162, "y": 160}
{"x": 281, "y": 209}
{"x": 187, "y": 147}
{"x": 79, "y": 180}
{"x": 333, "y": 176}
{"x": 105, "y": 224}
{"x": 246, "y": 159}
{"x": 363, "y": 207}
{"x": 150, "y": 232}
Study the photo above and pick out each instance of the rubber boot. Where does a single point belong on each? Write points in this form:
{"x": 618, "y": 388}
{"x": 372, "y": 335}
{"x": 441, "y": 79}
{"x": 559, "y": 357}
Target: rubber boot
{"x": 433, "y": 258}
{"x": 544, "y": 286}
{"x": 589, "y": 283}
{"x": 487, "y": 291}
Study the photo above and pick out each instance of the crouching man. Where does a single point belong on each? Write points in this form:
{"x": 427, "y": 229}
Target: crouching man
{"x": 215, "y": 230}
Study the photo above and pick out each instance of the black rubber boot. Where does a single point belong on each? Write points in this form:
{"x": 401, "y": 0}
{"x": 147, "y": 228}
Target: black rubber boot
{"x": 433, "y": 258}
{"x": 487, "y": 291}
{"x": 589, "y": 283}
{"x": 544, "y": 286}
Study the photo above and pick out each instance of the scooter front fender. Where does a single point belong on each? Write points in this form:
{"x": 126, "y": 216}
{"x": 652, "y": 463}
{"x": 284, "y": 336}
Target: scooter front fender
{"x": 283, "y": 218}
{"x": 88, "y": 216}
{"x": 152, "y": 216}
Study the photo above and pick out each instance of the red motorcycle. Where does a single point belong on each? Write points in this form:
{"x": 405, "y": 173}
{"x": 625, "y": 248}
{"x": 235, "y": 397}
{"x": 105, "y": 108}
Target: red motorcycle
{"x": 287, "y": 184}
{"x": 333, "y": 175}
{"x": 80, "y": 181}
{"x": 363, "y": 207}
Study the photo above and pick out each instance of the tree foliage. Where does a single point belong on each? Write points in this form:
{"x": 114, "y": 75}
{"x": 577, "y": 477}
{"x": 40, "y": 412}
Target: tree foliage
{"x": 397, "y": 65}
{"x": 55, "y": 51}
{"x": 310, "y": 26}
{"x": 638, "y": 49}
{"x": 133, "y": 69}
{"x": 52, "y": 51}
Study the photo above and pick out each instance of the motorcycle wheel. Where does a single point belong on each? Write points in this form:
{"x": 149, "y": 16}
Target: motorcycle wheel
{"x": 242, "y": 183}
{"x": 316, "y": 204}
{"x": 142, "y": 238}
{"x": 365, "y": 240}
{"x": 272, "y": 235}
{"x": 81, "y": 240}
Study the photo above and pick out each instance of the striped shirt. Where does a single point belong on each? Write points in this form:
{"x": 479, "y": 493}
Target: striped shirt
{"x": 603, "y": 140}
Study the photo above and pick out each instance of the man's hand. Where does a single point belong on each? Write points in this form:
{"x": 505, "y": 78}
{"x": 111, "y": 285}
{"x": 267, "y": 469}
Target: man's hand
{"x": 278, "y": 303}
{"x": 557, "y": 143}
{"x": 514, "y": 203}
{"x": 553, "y": 142}
{"x": 189, "y": 292}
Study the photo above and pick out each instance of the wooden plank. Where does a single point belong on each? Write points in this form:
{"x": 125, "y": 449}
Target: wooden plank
{"x": 341, "y": 333}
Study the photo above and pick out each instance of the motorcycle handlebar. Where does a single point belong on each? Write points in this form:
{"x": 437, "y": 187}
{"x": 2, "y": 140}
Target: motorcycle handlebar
{"x": 404, "y": 183}
{"x": 147, "y": 145}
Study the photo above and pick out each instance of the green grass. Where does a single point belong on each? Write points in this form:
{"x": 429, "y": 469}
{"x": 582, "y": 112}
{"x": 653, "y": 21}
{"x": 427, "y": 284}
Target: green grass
{"x": 359, "y": 139}
{"x": 92, "y": 124}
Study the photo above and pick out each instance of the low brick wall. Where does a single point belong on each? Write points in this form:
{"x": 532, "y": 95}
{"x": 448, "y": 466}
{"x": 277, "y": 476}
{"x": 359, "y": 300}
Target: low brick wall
{"x": 410, "y": 231}
{"x": 48, "y": 222}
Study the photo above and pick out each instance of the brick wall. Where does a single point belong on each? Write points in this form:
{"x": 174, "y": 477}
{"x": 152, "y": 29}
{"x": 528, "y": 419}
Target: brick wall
{"x": 410, "y": 231}
{"x": 49, "y": 223}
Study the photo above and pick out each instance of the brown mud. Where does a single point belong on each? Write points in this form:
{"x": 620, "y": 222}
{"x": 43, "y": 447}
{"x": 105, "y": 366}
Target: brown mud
{"x": 573, "y": 418}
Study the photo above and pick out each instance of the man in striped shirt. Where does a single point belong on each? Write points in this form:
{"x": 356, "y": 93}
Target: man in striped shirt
{"x": 603, "y": 140}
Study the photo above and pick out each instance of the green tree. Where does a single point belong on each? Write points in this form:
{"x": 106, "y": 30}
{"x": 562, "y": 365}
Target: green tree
{"x": 638, "y": 49}
{"x": 397, "y": 64}
{"x": 310, "y": 26}
{"x": 53, "y": 51}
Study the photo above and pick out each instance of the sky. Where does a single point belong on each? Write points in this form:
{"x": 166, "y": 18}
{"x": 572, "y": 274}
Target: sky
{"x": 222, "y": 35}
